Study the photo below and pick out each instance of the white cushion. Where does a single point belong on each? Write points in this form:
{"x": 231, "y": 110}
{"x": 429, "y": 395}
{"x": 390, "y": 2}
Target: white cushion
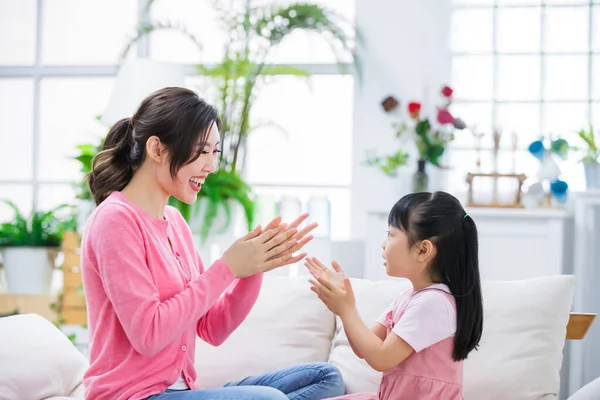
{"x": 523, "y": 337}
{"x": 372, "y": 298}
{"x": 520, "y": 353}
{"x": 287, "y": 326}
{"x": 37, "y": 360}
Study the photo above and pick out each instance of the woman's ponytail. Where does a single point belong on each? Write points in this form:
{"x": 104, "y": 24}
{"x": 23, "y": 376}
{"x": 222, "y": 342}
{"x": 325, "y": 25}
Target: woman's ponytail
{"x": 113, "y": 166}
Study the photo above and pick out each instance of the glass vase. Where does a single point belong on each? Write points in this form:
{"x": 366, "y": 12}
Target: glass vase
{"x": 420, "y": 179}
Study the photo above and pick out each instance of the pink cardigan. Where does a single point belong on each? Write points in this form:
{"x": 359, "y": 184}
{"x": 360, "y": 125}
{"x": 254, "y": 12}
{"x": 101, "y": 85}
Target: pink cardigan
{"x": 146, "y": 302}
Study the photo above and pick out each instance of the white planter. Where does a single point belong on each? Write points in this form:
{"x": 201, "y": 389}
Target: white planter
{"x": 220, "y": 236}
{"x": 84, "y": 209}
{"x": 592, "y": 175}
{"x": 29, "y": 270}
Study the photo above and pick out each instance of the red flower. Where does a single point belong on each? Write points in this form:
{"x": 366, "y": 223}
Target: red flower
{"x": 444, "y": 117}
{"x": 447, "y": 91}
{"x": 414, "y": 109}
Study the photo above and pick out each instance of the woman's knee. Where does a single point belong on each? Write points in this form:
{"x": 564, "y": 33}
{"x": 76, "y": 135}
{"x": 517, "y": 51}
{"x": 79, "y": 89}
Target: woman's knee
{"x": 332, "y": 376}
{"x": 264, "y": 393}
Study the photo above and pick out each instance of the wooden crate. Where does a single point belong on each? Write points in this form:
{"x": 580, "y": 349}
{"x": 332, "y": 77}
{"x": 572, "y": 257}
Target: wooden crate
{"x": 72, "y": 307}
{"x": 28, "y": 303}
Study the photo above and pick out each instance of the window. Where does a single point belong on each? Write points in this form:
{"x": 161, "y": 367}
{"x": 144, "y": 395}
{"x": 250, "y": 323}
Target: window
{"x": 303, "y": 128}
{"x": 58, "y": 60}
{"x": 531, "y": 67}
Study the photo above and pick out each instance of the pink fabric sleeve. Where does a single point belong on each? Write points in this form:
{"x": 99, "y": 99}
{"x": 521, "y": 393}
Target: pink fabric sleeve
{"x": 429, "y": 318}
{"x": 150, "y": 324}
{"x": 230, "y": 310}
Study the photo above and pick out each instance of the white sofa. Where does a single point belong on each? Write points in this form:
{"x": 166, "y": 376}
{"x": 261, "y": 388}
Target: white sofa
{"x": 519, "y": 357}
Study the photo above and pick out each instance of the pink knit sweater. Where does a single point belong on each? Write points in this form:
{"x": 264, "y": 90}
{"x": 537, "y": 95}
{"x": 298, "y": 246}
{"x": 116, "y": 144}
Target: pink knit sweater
{"x": 147, "y": 301}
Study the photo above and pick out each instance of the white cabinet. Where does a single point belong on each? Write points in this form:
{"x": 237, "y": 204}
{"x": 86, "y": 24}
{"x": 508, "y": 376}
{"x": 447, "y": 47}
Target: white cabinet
{"x": 585, "y": 354}
{"x": 513, "y": 243}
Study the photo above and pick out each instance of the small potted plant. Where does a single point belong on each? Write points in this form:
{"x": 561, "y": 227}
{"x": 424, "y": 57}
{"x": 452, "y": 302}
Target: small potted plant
{"x": 591, "y": 158}
{"x": 29, "y": 247}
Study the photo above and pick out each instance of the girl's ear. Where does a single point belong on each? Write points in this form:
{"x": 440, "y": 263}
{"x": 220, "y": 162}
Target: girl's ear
{"x": 427, "y": 251}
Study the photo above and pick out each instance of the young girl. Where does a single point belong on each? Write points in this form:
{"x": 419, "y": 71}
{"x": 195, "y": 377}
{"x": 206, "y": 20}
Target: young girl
{"x": 420, "y": 341}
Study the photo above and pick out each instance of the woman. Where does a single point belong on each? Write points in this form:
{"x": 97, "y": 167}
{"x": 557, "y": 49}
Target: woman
{"x": 148, "y": 293}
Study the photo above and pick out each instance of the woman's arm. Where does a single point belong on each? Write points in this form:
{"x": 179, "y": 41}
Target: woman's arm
{"x": 117, "y": 247}
{"x": 226, "y": 315}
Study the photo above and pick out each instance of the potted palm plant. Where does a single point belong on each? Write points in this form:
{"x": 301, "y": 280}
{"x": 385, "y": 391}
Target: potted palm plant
{"x": 591, "y": 159}
{"x": 255, "y": 32}
{"x": 29, "y": 247}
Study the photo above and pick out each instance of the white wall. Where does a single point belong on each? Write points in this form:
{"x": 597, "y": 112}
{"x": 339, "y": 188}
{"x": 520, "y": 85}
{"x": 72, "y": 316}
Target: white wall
{"x": 406, "y": 52}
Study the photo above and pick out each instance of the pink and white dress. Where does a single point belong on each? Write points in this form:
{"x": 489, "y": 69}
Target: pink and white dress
{"x": 426, "y": 320}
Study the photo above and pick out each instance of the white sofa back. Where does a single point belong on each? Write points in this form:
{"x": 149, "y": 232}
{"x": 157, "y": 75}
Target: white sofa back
{"x": 519, "y": 357}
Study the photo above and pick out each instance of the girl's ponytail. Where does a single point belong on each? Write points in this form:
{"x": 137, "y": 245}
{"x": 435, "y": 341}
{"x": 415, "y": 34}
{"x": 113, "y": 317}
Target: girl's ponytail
{"x": 466, "y": 287}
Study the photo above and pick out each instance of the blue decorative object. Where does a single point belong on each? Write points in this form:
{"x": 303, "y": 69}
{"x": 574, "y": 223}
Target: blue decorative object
{"x": 549, "y": 172}
{"x": 558, "y": 189}
{"x": 537, "y": 149}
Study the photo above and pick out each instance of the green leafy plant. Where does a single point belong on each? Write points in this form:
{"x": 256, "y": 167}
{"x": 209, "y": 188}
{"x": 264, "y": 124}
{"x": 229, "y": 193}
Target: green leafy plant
{"x": 255, "y": 30}
{"x": 592, "y": 150}
{"x": 41, "y": 229}
{"x": 87, "y": 152}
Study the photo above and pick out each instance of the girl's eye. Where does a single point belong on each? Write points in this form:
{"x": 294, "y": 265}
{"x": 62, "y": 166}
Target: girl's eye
{"x": 387, "y": 233}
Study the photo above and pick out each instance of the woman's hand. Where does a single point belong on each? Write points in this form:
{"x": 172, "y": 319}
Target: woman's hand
{"x": 338, "y": 300}
{"x": 301, "y": 238}
{"x": 265, "y": 249}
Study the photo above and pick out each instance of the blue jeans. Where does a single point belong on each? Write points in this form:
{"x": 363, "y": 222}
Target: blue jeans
{"x": 314, "y": 381}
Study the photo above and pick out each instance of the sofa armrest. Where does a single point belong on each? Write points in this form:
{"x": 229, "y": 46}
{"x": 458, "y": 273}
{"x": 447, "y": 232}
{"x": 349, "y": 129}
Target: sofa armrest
{"x": 578, "y": 325}
{"x": 591, "y": 391}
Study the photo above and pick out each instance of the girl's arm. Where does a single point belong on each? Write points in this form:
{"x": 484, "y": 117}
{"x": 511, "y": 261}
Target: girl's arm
{"x": 381, "y": 354}
{"x": 378, "y": 329}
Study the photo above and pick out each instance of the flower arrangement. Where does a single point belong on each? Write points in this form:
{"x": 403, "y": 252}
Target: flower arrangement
{"x": 431, "y": 138}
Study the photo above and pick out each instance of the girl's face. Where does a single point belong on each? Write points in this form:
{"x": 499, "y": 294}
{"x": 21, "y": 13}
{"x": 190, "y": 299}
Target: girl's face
{"x": 403, "y": 259}
{"x": 190, "y": 177}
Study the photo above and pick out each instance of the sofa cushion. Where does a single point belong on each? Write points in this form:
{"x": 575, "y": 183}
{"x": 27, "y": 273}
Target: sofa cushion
{"x": 287, "y": 326}
{"x": 520, "y": 353}
{"x": 38, "y": 360}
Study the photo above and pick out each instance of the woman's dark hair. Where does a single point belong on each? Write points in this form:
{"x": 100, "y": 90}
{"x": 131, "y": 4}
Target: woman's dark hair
{"x": 177, "y": 116}
{"x": 440, "y": 218}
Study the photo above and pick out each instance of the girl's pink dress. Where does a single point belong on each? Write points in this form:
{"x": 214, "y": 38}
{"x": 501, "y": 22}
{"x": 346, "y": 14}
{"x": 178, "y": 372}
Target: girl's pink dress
{"x": 429, "y": 374}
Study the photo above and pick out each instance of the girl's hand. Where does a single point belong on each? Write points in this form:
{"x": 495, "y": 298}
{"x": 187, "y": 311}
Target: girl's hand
{"x": 339, "y": 301}
{"x": 317, "y": 270}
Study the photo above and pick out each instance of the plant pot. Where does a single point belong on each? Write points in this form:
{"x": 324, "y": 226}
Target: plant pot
{"x": 221, "y": 235}
{"x": 84, "y": 209}
{"x": 592, "y": 175}
{"x": 29, "y": 270}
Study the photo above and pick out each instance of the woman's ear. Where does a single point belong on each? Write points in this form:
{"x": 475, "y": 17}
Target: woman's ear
{"x": 427, "y": 251}
{"x": 154, "y": 149}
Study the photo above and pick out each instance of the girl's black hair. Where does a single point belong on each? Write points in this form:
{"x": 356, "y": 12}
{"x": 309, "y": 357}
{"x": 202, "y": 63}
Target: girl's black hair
{"x": 177, "y": 116}
{"x": 440, "y": 218}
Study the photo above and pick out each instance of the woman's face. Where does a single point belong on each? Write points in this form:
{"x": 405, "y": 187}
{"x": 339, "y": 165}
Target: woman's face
{"x": 188, "y": 182}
